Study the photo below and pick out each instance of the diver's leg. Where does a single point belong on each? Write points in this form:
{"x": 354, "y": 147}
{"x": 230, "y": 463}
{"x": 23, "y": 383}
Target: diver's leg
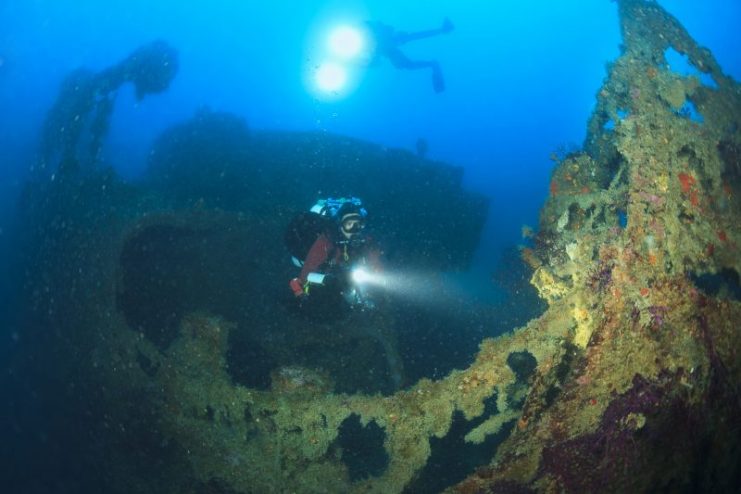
{"x": 402, "y": 37}
{"x": 400, "y": 61}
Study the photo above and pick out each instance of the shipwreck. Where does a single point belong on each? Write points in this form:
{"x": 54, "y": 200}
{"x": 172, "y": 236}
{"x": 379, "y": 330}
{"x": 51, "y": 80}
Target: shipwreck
{"x": 627, "y": 381}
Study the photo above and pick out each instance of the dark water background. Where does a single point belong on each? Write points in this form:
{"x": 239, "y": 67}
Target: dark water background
{"x": 521, "y": 78}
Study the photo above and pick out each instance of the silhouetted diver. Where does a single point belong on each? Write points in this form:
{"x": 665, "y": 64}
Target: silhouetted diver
{"x": 388, "y": 40}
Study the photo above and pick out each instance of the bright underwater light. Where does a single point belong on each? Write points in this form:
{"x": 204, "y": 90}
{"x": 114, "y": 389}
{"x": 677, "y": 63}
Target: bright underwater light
{"x": 423, "y": 288}
{"x": 330, "y": 77}
{"x": 403, "y": 284}
{"x": 360, "y": 276}
{"x": 419, "y": 287}
{"x": 346, "y": 42}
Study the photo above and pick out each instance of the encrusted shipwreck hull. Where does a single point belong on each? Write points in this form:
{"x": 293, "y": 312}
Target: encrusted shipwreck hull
{"x": 639, "y": 250}
{"x": 628, "y": 381}
{"x": 124, "y": 279}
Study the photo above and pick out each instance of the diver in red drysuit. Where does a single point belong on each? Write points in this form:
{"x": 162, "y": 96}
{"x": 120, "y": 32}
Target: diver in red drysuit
{"x": 338, "y": 250}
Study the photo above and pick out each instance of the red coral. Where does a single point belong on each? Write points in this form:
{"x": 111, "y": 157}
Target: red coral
{"x": 687, "y": 181}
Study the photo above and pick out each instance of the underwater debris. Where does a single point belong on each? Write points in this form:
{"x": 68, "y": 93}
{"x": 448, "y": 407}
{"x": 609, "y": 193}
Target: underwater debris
{"x": 421, "y": 146}
{"x": 84, "y": 105}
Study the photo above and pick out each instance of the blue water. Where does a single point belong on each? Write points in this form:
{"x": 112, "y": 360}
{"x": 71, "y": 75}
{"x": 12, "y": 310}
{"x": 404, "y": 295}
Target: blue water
{"x": 521, "y": 78}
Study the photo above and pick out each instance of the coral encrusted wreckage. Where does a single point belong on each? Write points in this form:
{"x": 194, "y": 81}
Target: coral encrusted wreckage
{"x": 628, "y": 382}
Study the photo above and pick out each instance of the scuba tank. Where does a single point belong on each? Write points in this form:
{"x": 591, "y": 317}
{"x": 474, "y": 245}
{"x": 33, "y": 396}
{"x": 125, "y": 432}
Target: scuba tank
{"x": 306, "y": 226}
{"x": 328, "y": 207}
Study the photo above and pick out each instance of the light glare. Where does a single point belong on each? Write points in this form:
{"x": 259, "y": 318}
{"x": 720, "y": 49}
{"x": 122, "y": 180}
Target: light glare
{"x": 360, "y": 275}
{"x": 331, "y": 77}
{"x": 345, "y": 42}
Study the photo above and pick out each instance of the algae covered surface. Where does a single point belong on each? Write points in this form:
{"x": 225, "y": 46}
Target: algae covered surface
{"x": 625, "y": 378}
{"x": 636, "y": 224}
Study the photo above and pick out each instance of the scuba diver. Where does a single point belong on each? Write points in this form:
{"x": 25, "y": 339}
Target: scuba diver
{"x": 331, "y": 240}
{"x": 330, "y": 245}
{"x": 387, "y": 43}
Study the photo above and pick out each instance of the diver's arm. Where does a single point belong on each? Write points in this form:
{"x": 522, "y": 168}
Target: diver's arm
{"x": 401, "y": 37}
{"x": 317, "y": 256}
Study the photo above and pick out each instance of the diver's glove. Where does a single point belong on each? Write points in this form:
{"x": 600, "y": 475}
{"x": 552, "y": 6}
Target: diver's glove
{"x": 297, "y": 287}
